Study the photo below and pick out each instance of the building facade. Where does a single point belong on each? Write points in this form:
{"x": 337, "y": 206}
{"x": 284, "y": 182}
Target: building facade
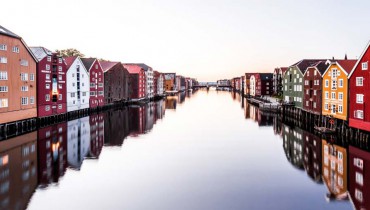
{"x": 158, "y": 83}
{"x": 277, "y": 80}
{"x": 78, "y": 85}
{"x": 312, "y": 85}
{"x": 51, "y": 82}
{"x": 96, "y": 75}
{"x": 359, "y": 80}
{"x": 17, "y": 79}
{"x": 335, "y": 89}
{"x": 170, "y": 81}
{"x": 138, "y": 81}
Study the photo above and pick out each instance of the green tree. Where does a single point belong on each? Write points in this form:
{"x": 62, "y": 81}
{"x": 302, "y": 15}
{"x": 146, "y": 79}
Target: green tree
{"x": 70, "y": 52}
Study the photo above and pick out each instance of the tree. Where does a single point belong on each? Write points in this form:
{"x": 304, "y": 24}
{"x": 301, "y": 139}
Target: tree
{"x": 70, "y": 52}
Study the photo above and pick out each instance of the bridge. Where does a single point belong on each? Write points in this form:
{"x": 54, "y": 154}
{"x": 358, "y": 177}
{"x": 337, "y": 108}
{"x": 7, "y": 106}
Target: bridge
{"x": 210, "y": 84}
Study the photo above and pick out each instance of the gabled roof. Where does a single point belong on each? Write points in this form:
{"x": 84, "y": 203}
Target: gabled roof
{"x": 6, "y": 32}
{"x": 142, "y": 65}
{"x": 265, "y": 76}
{"x": 88, "y": 62}
{"x": 284, "y": 69}
{"x": 107, "y": 65}
{"x": 347, "y": 65}
{"x": 133, "y": 68}
{"x": 70, "y": 60}
{"x": 302, "y": 65}
{"x": 40, "y": 52}
{"x": 321, "y": 66}
{"x": 359, "y": 59}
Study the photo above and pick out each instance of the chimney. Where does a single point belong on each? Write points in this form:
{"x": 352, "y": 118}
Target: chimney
{"x": 345, "y": 56}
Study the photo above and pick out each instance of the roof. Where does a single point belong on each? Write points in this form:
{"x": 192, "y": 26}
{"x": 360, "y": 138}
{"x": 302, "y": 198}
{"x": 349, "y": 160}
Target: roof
{"x": 88, "y": 62}
{"x": 133, "y": 68}
{"x": 107, "y": 65}
{"x": 40, "y": 52}
{"x": 6, "y": 32}
{"x": 321, "y": 66}
{"x": 70, "y": 60}
{"x": 302, "y": 65}
{"x": 347, "y": 65}
{"x": 265, "y": 76}
{"x": 359, "y": 59}
{"x": 142, "y": 65}
{"x": 284, "y": 69}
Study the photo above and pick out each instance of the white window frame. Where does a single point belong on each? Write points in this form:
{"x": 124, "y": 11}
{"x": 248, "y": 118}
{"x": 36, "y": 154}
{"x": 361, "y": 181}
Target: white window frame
{"x": 3, "y": 75}
{"x": 359, "y": 81}
{"x": 4, "y": 89}
{"x": 24, "y": 88}
{"x": 364, "y": 65}
{"x": 340, "y": 96}
{"x": 326, "y": 83}
{"x": 4, "y": 102}
{"x": 24, "y": 76}
{"x": 360, "y": 98}
{"x": 24, "y": 101}
{"x": 15, "y": 49}
{"x": 32, "y": 77}
{"x": 340, "y": 83}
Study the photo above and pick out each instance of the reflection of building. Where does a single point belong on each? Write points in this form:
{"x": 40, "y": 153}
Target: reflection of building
{"x": 253, "y": 112}
{"x": 78, "y": 141}
{"x": 334, "y": 169}
{"x": 18, "y": 171}
{"x": 182, "y": 96}
{"x": 137, "y": 120}
{"x": 52, "y": 153}
{"x": 116, "y": 126}
{"x": 160, "y": 109}
{"x": 293, "y": 145}
{"x": 358, "y": 177}
{"x": 312, "y": 155}
{"x": 149, "y": 116}
{"x": 264, "y": 119}
{"x": 171, "y": 102}
{"x": 278, "y": 126}
{"x": 96, "y": 135}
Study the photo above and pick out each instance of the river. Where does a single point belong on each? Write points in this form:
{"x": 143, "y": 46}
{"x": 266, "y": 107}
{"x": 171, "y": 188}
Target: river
{"x": 205, "y": 150}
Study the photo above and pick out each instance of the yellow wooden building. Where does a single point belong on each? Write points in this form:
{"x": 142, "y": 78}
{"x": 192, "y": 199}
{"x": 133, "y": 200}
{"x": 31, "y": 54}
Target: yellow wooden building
{"x": 335, "y": 89}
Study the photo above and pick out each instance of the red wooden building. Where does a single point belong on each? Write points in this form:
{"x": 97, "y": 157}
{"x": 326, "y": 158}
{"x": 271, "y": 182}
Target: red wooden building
{"x": 359, "y": 96}
{"x": 51, "y": 83}
{"x": 137, "y": 78}
{"x": 116, "y": 82}
{"x": 263, "y": 84}
{"x": 96, "y": 74}
{"x": 312, "y": 80}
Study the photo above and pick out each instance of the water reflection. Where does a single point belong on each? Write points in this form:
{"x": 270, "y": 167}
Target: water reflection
{"x": 293, "y": 145}
{"x": 18, "y": 171}
{"x": 312, "y": 155}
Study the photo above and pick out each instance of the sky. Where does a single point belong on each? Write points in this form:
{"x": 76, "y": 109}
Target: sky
{"x": 207, "y": 40}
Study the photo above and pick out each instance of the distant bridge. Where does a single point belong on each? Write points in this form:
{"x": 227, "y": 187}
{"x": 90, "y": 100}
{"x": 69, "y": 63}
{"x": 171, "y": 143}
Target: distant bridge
{"x": 210, "y": 84}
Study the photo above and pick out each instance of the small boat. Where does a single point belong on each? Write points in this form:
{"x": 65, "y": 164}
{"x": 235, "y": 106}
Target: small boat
{"x": 324, "y": 130}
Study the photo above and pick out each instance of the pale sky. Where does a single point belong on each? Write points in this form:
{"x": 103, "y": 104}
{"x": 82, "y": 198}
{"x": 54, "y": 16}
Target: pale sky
{"x": 207, "y": 40}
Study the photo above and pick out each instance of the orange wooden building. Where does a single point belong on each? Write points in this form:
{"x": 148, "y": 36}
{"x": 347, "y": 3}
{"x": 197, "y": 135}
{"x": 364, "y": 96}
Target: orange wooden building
{"x": 335, "y": 89}
{"x": 17, "y": 79}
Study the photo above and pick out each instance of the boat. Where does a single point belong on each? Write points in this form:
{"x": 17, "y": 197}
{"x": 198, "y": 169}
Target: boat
{"x": 324, "y": 130}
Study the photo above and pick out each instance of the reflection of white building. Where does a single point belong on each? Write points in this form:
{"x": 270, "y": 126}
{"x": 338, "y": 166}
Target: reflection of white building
{"x": 78, "y": 144}
{"x": 149, "y": 112}
{"x": 252, "y": 85}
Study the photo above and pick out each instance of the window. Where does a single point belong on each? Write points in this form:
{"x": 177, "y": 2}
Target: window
{"x": 3, "y": 102}
{"x": 3, "y": 75}
{"x": 359, "y": 178}
{"x": 24, "y": 88}
{"x": 358, "y": 162}
{"x": 60, "y": 86}
{"x": 60, "y": 60}
{"x": 359, "y": 114}
{"x": 15, "y": 49}
{"x": 47, "y": 67}
{"x": 60, "y": 96}
{"x": 47, "y": 86}
{"x": 96, "y": 66}
{"x": 3, "y": 60}
{"x": 334, "y": 73}
{"x": 32, "y": 100}
{"x": 47, "y": 108}
{"x": 24, "y": 100}
{"x": 359, "y": 81}
{"x": 333, "y": 95}
{"x": 24, "y": 76}
{"x": 364, "y": 66}
{"x": 83, "y": 93}
{"x": 60, "y": 68}
{"x": 340, "y": 109}
{"x": 3, "y": 88}
{"x": 314, "y": 92}
{"x": 32, "y": 77}
{"x": 60, "y": 106}
{"x": 47, "y": 97}
{"x": 315, "y": 72}
{"x": 49, "y": 58}
{"x": 73, "y": 95}
{"x": 340, "y": 96}
{"x": 340, "y": 82}
{"x": 92, "y": 93}
{"x": 3, "y": 47}
{"x": 314, "y": 103}
{"x": 307, "y": 102}
{"x": 24, "y": 62}
{"x": 73, "y": 84}
{"x": 358, "y": 195}
{"x": 334, "y": 84}
{"x": 60, "y": 77}
{"x": 359, "y": 98}
{"x": 92, "y": 84}
{"x": 101, "y": 93}
{"x": 101, "y": 84}
{"x": 47, "y": 76}
{"x": 326, "y": 83}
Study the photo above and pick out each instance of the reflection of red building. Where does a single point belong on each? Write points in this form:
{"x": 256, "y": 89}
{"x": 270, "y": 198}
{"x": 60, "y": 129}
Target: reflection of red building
{"x": 51, "y": 83}
{"x": 359, "y": 176}
{"x": 52, "y": 149}
{"x": 18, "y": 171}
{"x": 312, "y": 155}
{"x": 137, "y": 120}
{"x": 96, "y": 135}
{"x": 116, "y": 127}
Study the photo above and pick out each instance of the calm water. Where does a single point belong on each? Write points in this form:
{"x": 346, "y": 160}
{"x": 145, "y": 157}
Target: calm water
{"x": 202, "y": 151}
